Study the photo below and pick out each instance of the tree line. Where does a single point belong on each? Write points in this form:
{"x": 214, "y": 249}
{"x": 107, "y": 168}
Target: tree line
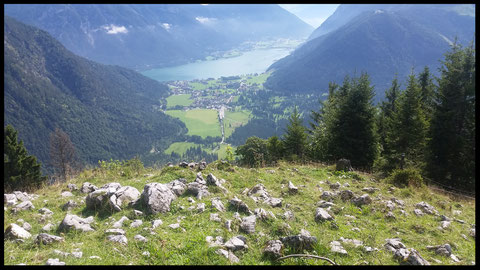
{"x": 427, "y": 126}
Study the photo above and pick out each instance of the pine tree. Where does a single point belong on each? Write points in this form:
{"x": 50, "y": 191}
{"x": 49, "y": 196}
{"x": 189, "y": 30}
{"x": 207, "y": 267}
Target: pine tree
{"x": 295, "y": 138}
{"x": 274, "y": 149}
{"x": 427, "y": 89}
{"x": 452, "y": 145}
{"x": 21, "y": 171}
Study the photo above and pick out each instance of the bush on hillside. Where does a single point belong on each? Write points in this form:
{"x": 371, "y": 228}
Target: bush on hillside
{"x": 406, "y": 177}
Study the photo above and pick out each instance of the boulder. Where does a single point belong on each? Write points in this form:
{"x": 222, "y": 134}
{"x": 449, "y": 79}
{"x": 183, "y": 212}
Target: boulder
{"x": 239, "y": 205}
{"x": 136, "y": 223}
{"x": 69, "y": 205}
{"x": 262, "y": 214}
{"x": 157, "y": 198}
{"x": 55, "y": 261}
{"x": 292, "y": 188}
{"x": 273, "y": 249}
{"x": 156, "y": 223}
{"x": 122, "y": 239}
{"x": 228, "y": 254}
{"x": 202, "y": 165}
{"x": 362, "y": 200}
{"x": 393, "y": 244}
{"x": 346, "y": 195}
{"x": 410, "y": 257}
{"x": 22, "y": 196}
{"x": 119, "y": 223}
{"x": 322, "y": 215}
{"x": 140, "y": 238}
{"x": 123, "y": 196}
{"x": 248, "y": 224}
{"x": 178, "y": 186}
{"x": 335, "y": 186}
{"x": 259, "y": 190}
{"x": 75, "y": 222}
{"x": 67, "y": 194}
{"x": 443, "y": 250}
{"x": 236, "y": 243}
{"x": 426, "y": 208}
{"x": 46, "y": 239}
{"x": 183, "y": 164}
{"x": 344, "y": 165}
{"x": 217, "y": 243}
{"x": 9, "y": 199}
{"x": 115, "y": 232}
{"x": 48, "y": 227}
{"x": 87, "y": 188}
{"x": 336, "y": 246}
{"x": 370, "y": 190}
{"x": 288, "y": 215}
{"x": 14, "y": 232}
{"x": 215, "y": 217}
{"x": 274, "y": 202}
{"x": 27, "y": 226}
{"x": 25, "y": 205}
{"x": 198, "y": 189}
{"x": 418, "y": 212}
{"x": 217, "y": 204}
{"x": 45, "y": 211}
{"x": 301, "y": 241}
{"x": 327, "y": 195}
{"x": 72, "y": 187}
{"x": 200, "y": 207}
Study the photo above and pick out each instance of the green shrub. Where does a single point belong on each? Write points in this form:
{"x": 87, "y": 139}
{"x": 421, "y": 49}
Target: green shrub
{"x": 406, "y": 177}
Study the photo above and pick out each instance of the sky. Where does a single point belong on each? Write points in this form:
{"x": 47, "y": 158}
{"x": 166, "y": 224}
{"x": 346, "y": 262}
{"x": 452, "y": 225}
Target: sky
{"x": 313, "y": 14}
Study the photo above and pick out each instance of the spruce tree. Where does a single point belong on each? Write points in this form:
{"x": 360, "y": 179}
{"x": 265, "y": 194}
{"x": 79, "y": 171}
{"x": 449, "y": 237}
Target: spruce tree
{"x": 21, "y": 171}
{"x": 295, "y": 137}
{"x": 427, "y": 89}
{"x": 452, "y": 145}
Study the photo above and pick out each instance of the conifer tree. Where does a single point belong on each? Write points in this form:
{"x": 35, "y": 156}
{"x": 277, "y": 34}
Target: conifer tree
{"x": 427, "y": 89}
{"x": 21, "y": 171}
{"x": 295, "y": 138}
{"x": 452, "y": 145}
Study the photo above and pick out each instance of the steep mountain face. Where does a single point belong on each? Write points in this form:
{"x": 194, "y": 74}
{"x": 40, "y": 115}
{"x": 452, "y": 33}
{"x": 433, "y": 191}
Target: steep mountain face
{"x": 381, "y": 42}
{"x": 108, "y": 111}
{"x": 146, "y": 36}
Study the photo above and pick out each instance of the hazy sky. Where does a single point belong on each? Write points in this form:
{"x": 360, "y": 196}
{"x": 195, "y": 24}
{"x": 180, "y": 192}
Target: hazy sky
{"x": 313, "y": 14}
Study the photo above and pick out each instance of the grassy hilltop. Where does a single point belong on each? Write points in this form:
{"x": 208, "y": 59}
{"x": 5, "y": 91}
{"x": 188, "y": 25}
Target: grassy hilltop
{"x": 187, "y": 245}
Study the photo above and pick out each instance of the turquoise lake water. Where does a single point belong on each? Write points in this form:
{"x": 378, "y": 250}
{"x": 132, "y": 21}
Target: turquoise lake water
{"x": 255, "y": 61}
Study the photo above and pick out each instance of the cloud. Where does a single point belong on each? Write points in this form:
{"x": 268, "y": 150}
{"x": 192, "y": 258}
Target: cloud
{"x": 205, "y": 20}
{"x": 114, "y": 29}
{"x": 166, "y": 26}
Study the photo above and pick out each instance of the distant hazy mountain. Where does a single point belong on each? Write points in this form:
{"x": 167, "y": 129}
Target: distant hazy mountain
{"x": 141, "y": 36}
{"x": 381, "y": 42}
{"x": 108, "y": 111}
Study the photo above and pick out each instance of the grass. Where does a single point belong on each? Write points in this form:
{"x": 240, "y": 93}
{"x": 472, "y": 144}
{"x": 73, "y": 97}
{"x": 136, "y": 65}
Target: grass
{"x": 235, "y": 119}
{"x": 176, "y": 247}
{"x": 183, "y": 100}
{"x": 181, "y": 147}
{"x": 201, "y": 86}
{"x": 201, "y": 122}
{"x": 259, "y": 79}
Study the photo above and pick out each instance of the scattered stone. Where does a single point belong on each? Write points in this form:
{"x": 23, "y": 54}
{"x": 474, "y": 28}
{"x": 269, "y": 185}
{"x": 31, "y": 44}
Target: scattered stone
{"x": 443, "y": 250}
{"x": 76, "y": 222}
{"x": 136, "y": 223}
{"x": 48, "y": 227}
{"x": 393, "y": 244}
{"x": 67, "y": 194}
{"x": 327, "y": 195}
{"x": 55, "y": 261}
{"x": 22, "y": 196}
{"x": 248, "y": 224}
{"x": 24, "y": 205}
{"x": 240, "y": 205}
{"x": 336, "y": 246}
{"x": 122, "y": 239}
{"x": 425, "y": 207}
{"x": 69, "y": 205}
{"x": 146, "y": 253}
{"x": 273, "y": 248}
{"x": 362, "y": 200}
{"x": 292, "y": 188}
{"x": 370, "y": 190}
{"x": 217, "y": 243}
{"x": 390, "y": 215}
{"x": 228, "y": 225}
{"x": 200, "y": 207}
{"x": 444, "y": 224}
{"x": 288, "y": 215}
{"x": 274, "y": 202}
{"x": 27, "y": 226}
{"x": 301, "y": 241}
{"x": 178, "y": 186}
{"x": 137, "y": 213}
{"x": 14, "y": 231}
{"x": 456, "y": 212}
{"x": 115, "y": 231}
{"x": 94, "y": 257}
{"x": 45, "y": 211}
{"x": 183, "y": 164}
{"x": 418, "y": 212}
{"x": 198, "y": 188}
{"x": 217, "y": 204}
{"x": 262, "y": 214}
{"x": 346, "y": 195}
{"x": 156, "y": 223}
{"x": 322, "y": 215}
{"x": 48, "y": 239}
{"x": 215, "y": 217}
{"x": 236, "y": 243}
{"x": 472, "y": 232}
{"x": 9, "y": 199}
{"x": 87, "y": 188}
{"x": 174, "y": 226}
{"x": 157, "y": 198}
{"x": 335, "y": 186}
{"x": 355, "y": 229}
{"x": 228, "y": 254}
{"x": 459, "y": 221}
{"x": 344, "y": 165}
{"x": 140, "y": 238}
{"x": 346, "y": 185}
{"x": 119, "y": 223}
{"x": 414, "y": 258}
{"x": 355, "y": 242}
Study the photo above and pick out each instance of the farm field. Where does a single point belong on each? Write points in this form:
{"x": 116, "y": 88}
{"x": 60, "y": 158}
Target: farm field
{"x": 235, "y": 119}
{"x": 181, "y": 147}
{"x": 183, "y": 100}
{"x": 201, "y": 122}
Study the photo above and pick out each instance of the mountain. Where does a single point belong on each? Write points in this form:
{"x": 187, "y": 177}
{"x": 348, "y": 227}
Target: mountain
{"x": 381, "y": 42}
{"x": 108, "y": 111}
{"x": 155, "y": 35}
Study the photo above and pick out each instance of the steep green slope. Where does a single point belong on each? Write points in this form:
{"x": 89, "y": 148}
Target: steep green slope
{"x": 187, "y": 244}
{"x": 108, "y": 111}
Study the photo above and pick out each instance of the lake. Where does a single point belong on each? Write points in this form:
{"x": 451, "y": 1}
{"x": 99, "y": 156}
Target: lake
{"x": 255, "y": 61}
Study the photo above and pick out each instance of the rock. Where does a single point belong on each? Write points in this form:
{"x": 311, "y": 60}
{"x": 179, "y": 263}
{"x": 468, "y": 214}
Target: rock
{"x": 335, "y": 186}
{"x": 355, "y": 242}
{"x": 274, "y": 202}
{"x": 69, "y": 205}
{"x": 393, "y": 244}
{"x": 27, "y": 226}
{"x": 288, "y": 215}
{"x": 322, "y": 215}
{"x": 202, "y": 165}
{"x": 217, "y": 243}
{"x": 472, "y": 232}
{"x": 140, "y": 238}
{"x": 239, "y": 205}
{"x": 22, "y": 196}
{"x": 228, "y": 225}
{"x": 156, "y": 223}
{"x": 445, "y": 224}
{"x": 115, "y": 232}
{"x": 137, "y": 213}
{"x": 136, "y": 223}
{"x": 370, "y": 190}
{"x": 229, "y": 255}
{"x": 327, "y": 195}
{"x": 344, "y": 165}
{"x": 399, "y": 202}
{"x": 325, "y": 204}
{"x": 94, "y": 257}
{"x": 301, "y": 241}
{"x": 236, "y": 243}
{"x": 425, "y": 207}
{"x": 212, "y": 180}
{"x": 76, "y": 222}
{"x": 259, "y": 190}
{"x": 157, "y": 198}
{"x": 48, "y": 227}
{"x": 87, "y": 188}
{"x": 414, "y": 258}
{"x": 390, "y": 215}
{"x": 183, "y": 164}
{"x": 14, "y": 231}
{"x": 77, "y": 254}
{"x": 192, "y": 165}
{"x": 146, "y": 253}
{"x": 217, "y": 204}
{"x": 123, "y": 196}
{"x": 362, "y": 200}
{"x": 200, "y": 207}
{"x": 119, "y": 223}
{"x": 337, "y": 247}
{"x": 346, "y": 195}
{"x": 273, "y": 248}
{"x": 456, "y": 212}
{"x": 442, "y": 250}
{"x": 215, "y": 217}
{"x": 390, "y": 205}
{"x": 248, "y": 224}
{"x": 418, "y": 212}
{"x": 292, "y": 188}
{"x": 174, "y": 226}
{"x": 55, "y": 261}
{"x": 198, "y": 189}
{"x": 355, "y": 229}
{"x": 178, "y": 186}
{"x": 67, "y": 194}
{"x": 122, "y": 239}
{"x": 45, "y": 211}
{"x": 48, "y": 239}
{"x": 25, "y": 205}
{"x": 262, "y": 214}
{"x": 9, "y": 199}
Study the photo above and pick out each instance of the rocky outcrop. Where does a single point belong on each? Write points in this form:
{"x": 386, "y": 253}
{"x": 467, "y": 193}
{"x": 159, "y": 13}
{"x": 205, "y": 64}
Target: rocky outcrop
{"x": 113, "y": 195}
{"x": 157, "y": 198}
